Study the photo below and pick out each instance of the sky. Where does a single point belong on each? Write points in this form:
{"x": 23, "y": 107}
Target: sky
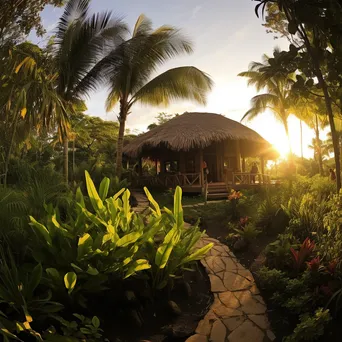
{"x": 227, "y": 36}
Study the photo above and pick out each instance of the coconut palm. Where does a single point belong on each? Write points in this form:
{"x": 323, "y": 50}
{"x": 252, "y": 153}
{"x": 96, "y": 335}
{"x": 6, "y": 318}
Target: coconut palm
{"x": 28, "y": 100}
{"x": 129, "y": 69}
{"x": 277, "y": 86}
{"x": 81, "y": 41}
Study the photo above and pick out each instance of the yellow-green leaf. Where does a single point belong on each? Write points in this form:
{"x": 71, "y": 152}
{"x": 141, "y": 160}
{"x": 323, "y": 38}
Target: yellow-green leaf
{"x": 197, "y": 255}
{"x": 70, "y": 280}
{"x": 156, "y": 211}
{"x": 128, "y": 239}
{"x": 136, "y": 266}
{"x": 94, "y": 197}
{"x": 41, "y": 229}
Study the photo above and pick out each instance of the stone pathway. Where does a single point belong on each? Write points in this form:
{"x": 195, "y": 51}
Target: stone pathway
{"x": 238, "y": 313}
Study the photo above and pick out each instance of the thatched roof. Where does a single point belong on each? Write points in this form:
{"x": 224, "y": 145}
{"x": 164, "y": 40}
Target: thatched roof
{"x": 194, "y": 130}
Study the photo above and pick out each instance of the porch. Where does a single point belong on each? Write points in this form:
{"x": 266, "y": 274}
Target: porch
{"x": 194, "y": 182}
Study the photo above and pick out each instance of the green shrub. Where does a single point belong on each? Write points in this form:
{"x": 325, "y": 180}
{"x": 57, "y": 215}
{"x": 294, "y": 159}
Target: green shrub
{"x": 278, "y": 253}
{"x": 272, "y": 279}
{"x": 248, "y": 233}
{"x": 311, "y": 327}
{"x": 109, "y": 239}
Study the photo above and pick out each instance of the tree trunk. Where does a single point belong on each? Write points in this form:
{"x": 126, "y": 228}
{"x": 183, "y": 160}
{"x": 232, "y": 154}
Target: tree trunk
{"x": 301, "y": 139}
{"x": 119, "y": 146}
{"x": 319, "y": 147}
{"x": 327, "y": 99}
{"x": 10, "y": 147}
{"x": 332, "y": 129}
{"x": 66, "y": 158}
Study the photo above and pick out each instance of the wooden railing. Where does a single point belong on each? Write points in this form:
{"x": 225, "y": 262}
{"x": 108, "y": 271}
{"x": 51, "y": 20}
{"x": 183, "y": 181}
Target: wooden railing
{"x": 171, "y": 180}
{"x": 250, "y": 178}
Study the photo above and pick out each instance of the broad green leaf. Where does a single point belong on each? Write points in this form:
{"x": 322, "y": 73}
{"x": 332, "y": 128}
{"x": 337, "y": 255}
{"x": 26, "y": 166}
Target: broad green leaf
{"x": 156, "y": 211}
{"x": 85, "y": 244}
{"x": 41, "y": 229}
{"x": 104, "y": 187}
{"x": 118, "y": 194}
{"x": 136, "y": 266}
{"x": 80, "y": 197}
{"x": 151, "y": 231}
{"x": 95, "y": 219}
{"x": 92, "y": 271}
{"x": 76, "y": 268}
{"x": 128, "y": 239}
{"x": 70, "y": 280}
{"x": 197, "y": 255}
{"x": 53, "y": 273}
{"x": 96, "y": 322}
{"x": 164, "y": 251}
{"x": 94, "y": 197}
{"x": 36, "y": 277}
{"x": 177, "y": 207}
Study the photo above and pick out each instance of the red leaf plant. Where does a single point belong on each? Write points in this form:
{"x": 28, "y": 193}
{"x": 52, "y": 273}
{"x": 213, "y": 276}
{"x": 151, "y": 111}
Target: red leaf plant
{"x": 332, "y": 267}
{"x": 300, "y": 257}
{"x": 314, "y": 264}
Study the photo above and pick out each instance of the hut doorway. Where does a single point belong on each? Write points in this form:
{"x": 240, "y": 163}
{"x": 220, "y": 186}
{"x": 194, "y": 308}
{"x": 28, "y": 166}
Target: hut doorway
{"x": 211, "y": 160}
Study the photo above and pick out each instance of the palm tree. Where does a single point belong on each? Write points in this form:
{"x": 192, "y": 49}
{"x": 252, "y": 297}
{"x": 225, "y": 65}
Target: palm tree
{"x": 82, "y": 40}
{"x": 28, "y": 99}
{"x": 128, "y": 69}
{"x": 277, "y": 96}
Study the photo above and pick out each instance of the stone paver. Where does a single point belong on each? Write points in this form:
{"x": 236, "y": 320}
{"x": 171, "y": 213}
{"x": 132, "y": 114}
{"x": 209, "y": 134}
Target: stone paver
{"x": 239, "y": 313}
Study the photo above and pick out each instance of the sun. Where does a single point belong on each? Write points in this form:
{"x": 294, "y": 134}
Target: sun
{"x": 282, "y": 146}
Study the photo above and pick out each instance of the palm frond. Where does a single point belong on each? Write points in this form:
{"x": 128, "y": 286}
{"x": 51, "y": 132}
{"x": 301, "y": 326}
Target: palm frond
{"x": 187, "y": 83}
{"x": 142, "y": 26}
{"x": 74, "y": 10}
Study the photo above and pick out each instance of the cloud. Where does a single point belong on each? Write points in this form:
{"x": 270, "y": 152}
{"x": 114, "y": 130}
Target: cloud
{"x": 195, "y": 11}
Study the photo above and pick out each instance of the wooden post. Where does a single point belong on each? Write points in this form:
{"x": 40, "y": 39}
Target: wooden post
{"x": 243, "y": 164}
{"x": 262, "y": 162}
{"x": 238, "y": 155}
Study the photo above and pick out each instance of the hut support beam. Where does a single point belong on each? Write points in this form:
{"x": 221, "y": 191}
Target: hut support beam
{"x": 238, "y": 155}
{"x": 243, "y": 164}
{"x": 262, "y": 163}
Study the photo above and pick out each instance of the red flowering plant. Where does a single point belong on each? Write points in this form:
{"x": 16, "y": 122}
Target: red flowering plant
{"x": 234, "y": 198}
{"x": 301, "y": 256}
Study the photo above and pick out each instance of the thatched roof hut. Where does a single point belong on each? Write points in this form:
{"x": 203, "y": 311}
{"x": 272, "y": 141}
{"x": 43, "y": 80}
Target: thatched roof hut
{"x": 198, "y": 131}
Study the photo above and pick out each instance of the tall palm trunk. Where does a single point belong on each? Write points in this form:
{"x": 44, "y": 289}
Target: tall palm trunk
{"x": 319, "y": 147}
{"x": 119, "y": 147}
{"x": 286, "y": 126}
{"x": 66, "y": 158}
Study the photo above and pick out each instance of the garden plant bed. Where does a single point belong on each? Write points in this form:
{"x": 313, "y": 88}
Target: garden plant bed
{"x": 158, "y": 322}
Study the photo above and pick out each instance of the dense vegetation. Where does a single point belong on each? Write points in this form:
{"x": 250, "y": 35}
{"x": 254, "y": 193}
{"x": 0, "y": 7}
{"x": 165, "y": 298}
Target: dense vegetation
{"x": 69, "y": 239}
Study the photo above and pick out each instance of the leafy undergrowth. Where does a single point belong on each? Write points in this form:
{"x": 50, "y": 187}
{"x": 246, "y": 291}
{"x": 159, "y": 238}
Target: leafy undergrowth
{"x": 290, "y": 238}
{"x": 82, "y": 262}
